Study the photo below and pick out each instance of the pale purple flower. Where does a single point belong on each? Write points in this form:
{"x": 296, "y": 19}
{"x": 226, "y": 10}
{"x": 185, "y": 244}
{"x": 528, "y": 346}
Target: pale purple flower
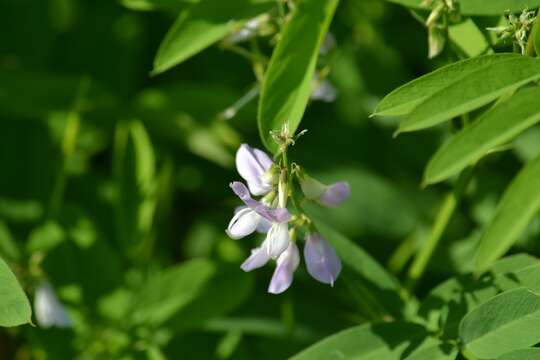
{"x": 329, "y": 195}
{"x": 48, "y": 308}
{"x": 246, "y": 221}
{"x": 321, "y": 260}
{"x": 323, "y": 91}
{"x": 334, "y": 194}
{"x": 287, "y": 263}
{"x": 275, "y": 215}
{"x": 254, "y": 166}
{"x": 277, "y": 239}
{"x": 258, "y": 258}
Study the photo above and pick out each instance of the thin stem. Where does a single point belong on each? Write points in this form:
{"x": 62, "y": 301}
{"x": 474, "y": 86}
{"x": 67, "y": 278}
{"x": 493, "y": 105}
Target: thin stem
{"x": 529, "y": 48}
{"x": 440, "y": 224}
{"x": 69, "y": 142}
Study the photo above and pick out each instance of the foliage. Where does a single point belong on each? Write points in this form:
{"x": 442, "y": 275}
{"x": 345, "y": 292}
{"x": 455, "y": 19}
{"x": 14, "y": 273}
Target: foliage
{"x": 118, "y": 140}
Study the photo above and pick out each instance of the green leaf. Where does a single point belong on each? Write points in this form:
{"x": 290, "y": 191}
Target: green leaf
{"x": 536, "y": 36}
{"x": 519, "y": 204}
{"x": 434, "y": 350}
{"x": 287, "y": 83}
{"x": 375, "y": 286}
{"x": 166, "y": 293}
{"x": 493, "y": 128}
{"x": 14, "y": 306}
{"x": 447, "y": 304}
{"x": 468, "y": 38}
{"x": 202, "y": 25}
{"x": 507, "y": 322}
{"x": 387, "y": 341}
{"x": 151, "y": 5}
{"x": 478, "y": 7}
{"x": 134, "y": 166}
{"x": 479, "y": 88}
{"x": 405, "y": 98}
{"x": 522, "y": 354}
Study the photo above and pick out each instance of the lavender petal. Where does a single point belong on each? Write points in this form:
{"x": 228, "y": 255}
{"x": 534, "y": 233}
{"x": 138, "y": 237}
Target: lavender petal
{"x": 257, "y": 259}
{"x": 321, "y": 259}
{"x": 287, "y": 263}
{"x": 335, "y": 194}
{"x": 278, "y": 215}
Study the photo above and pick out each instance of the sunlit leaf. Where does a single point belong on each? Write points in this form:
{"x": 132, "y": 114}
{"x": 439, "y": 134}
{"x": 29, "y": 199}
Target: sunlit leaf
{"x": 387, "y": 341}
{"x": 479, "y": 88}
{"x": 287, "y": 83}
{"x": 519, "y": 204}
{"x": 522, "y": 354}
{"x": 507, "y": 322}
{"x": 404, "y": 99}
{"x": 493, "y": 128}
{"x": 202, "y": 25}
{"x": 14, "y": 306}
{"x": 447, "y": 303}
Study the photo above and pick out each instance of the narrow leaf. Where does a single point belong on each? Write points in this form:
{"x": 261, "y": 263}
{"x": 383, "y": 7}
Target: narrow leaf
{"x": 202, "y": 25}
{"x": 478, "y": 7}
{"x": 171, "y": 290}
{"x": 520, "y": 203}
{"x": 387, "y": 341}
{"x": 287, "y": 82}
{"x": 405, "y": 98}
{"x": 493, "y": 128}
{"x": 507, "y": 322}
{"x": 522, "y": 354}
{"x": 475, "y": 90}
{"x": 14, "y": 306}
{"x": 153, "y": 5}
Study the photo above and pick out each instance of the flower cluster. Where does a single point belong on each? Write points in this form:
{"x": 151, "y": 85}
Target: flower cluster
{"x": 516, "y": 28}
{"x": 269, "y": 215}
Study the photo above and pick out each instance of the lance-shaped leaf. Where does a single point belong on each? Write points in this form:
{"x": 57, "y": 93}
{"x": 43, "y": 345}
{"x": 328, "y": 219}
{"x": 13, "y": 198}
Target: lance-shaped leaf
{"x": 522, "y": 354}
{"x": 154, "y": 5}
{"x": 202, "y": 25}
{"x": 14, "y": 306}
{"x": 478, "y": 7}
{"x": 507, "y": 322}
{"x": 287, "y": 83}
{"x": 405, "y": 98}
{"x": 520, "y": 203}
{"x": 387, "y": 341}
{"x": 473, "y": 91}
{"x": 493, "y": 128}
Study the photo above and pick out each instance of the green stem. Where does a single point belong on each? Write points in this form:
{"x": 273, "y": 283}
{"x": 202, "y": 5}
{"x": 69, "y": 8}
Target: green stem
{"x": 529, "y": 49}
{"x": 440, "y": 224}
{"x": 69, "y": 142}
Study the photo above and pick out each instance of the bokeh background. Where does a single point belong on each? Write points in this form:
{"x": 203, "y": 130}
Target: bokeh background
{"x": 114, "y": 183}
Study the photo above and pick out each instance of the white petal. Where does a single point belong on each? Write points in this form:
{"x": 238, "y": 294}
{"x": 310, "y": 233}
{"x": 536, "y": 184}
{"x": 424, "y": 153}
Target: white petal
{"x": 251, "y": 165}
{"x": 257, "y": 259}
{"x": 48, "y": 309}
{"x": 277, "y": 239}
{"x": 264, "y": 226}
{"x": 243, "y": 223}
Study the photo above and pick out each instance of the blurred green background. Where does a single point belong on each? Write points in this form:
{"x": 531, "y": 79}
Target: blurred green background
{"x": 114, "y": 183}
